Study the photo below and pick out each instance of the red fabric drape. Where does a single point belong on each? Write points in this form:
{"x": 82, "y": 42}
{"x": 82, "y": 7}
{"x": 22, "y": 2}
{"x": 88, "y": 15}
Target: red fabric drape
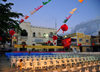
{"x": 66, "y": 42}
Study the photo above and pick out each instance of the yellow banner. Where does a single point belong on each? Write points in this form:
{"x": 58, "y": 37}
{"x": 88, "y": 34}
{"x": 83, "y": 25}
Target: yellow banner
{"x": 39, "y": 47}
{"x": 18, "y": 46}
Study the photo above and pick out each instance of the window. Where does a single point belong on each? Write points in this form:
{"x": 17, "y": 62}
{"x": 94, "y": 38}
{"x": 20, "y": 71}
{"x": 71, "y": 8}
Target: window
{"x": 39, "y": 34}
{"x": 87, "y": 41}
{"x": 51, "y": 34}
{"x": 80, "y": 39}
{"x": 44, "y": 35}
{"x": 33, "y": 34}
{"x": 24, "y": 33}
{"x": 87, "y": 49}
{"x": 99, "y": 33}
{"x": 73, "y": 40}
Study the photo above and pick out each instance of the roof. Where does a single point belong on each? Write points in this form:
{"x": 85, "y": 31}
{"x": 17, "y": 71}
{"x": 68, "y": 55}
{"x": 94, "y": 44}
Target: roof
{"x": 43, "y": 27}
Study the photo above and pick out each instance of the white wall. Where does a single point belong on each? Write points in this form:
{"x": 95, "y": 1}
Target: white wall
{"x": 30, "y": 29}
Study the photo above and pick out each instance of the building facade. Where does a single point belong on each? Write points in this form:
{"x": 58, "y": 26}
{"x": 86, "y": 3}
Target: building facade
{"x": 95, "y": 41}
{"x": 35, "y": 35}
{"x": 80, "y": 41}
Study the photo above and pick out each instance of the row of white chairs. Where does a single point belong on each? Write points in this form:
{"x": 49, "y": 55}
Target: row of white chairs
{"x": 54, "y": 63}
{"x": 14, "y": 60}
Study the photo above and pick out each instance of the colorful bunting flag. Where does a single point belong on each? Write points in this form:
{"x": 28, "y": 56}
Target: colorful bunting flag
{"x": 33, "y": 12}
{"x": 26, "y": 17}
{"x": 71, "y": 12}
{"x": 44, "y": 3}
{"x": 67, "y": 18}
{"x": 74, "y": 9}
{"x": 49, "y": 0}
{"x": 80, "y": 1}
{"x": 38, "y": 8}
{"x": 21, "y": 21}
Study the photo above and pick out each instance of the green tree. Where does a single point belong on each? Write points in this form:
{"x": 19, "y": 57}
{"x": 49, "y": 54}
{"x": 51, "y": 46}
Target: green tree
{"x": 8, "y": 19}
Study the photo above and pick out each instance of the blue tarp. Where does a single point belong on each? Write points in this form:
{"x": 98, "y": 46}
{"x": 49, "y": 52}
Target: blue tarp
{"x": 26, "y": 54}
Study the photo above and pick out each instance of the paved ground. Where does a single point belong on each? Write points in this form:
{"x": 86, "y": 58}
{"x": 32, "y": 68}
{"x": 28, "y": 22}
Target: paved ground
{"x": 5, "y": 65}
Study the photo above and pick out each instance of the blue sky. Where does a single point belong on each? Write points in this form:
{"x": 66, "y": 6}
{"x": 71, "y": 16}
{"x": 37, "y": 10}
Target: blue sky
{"x": 57, "y": 10}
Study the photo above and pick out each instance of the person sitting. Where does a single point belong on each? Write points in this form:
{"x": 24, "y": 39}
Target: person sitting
{"x": 20, "y": 64}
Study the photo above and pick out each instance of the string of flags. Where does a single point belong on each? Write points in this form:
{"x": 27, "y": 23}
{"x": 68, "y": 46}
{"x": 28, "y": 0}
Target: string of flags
{"x": 80, "y": 1}
{"x": 63, "y": 27}
{"x": 35, "y": 10}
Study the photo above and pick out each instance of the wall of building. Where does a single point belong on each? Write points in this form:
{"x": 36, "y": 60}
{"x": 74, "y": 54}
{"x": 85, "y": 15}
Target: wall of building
{"x": 39, "y": 34}
{"x": 83, "y": 39}
{"x": 80, "y": 38}
{"x": 95, "y": 41}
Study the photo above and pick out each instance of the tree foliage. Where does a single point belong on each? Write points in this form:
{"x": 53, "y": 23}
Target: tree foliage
{"x": 8, "y": 18}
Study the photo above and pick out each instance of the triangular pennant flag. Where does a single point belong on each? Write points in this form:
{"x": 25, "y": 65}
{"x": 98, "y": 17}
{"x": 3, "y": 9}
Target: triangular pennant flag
{"x": 74, "y": 9}
{"x": 26, "y": 17}
{"x": 41, "y": 6}
{"x": 71, "y": 12}
{"x": 21, "y": 20}
{"x": 80, "y": 1}
{"x": 38, "y": 8}
{"x": 33, "y": 12}
{"x": 49, "y": 0}
{"x": 68, "y": 17}
{"x": 65, "y": 20}
{"x": 44, "y": 3}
